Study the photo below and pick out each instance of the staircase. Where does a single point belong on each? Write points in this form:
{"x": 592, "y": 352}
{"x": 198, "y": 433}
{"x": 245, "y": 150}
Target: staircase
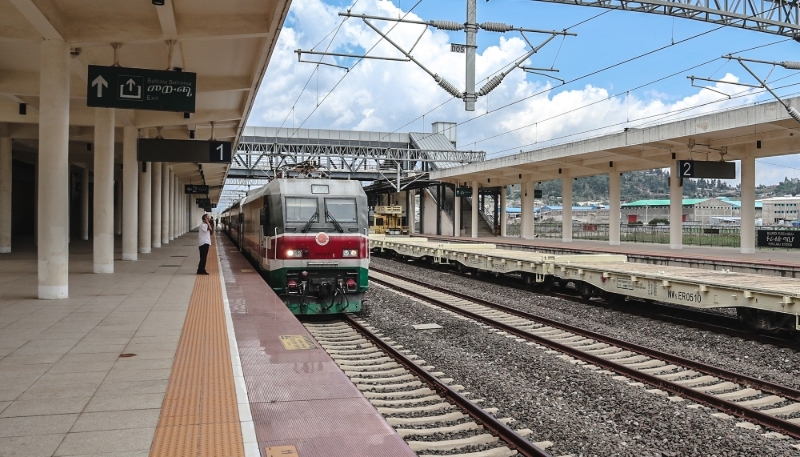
{"x": 484, "y": 229}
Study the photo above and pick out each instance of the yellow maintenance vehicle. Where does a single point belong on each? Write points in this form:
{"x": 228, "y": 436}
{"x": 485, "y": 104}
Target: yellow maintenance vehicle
{"x": 388, "y": 220}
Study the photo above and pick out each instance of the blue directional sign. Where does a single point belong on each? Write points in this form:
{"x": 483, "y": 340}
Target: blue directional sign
{"x": 137, "y": 88}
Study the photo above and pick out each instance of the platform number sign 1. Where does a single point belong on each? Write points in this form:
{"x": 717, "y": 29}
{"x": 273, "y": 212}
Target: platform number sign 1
{"x": 220, "y": 151}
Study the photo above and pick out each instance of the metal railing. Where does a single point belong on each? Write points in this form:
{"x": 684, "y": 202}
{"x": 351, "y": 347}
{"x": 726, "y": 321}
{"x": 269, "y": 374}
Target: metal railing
{"x": 693, "y": 235}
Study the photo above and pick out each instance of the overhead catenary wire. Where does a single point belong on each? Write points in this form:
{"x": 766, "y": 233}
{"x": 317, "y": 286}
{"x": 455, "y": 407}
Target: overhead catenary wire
{"x": 661, "y": 116}
{"x": 671, "y": 75}
{"x": 674, "y": 43}
{"x": 345, "y": 75}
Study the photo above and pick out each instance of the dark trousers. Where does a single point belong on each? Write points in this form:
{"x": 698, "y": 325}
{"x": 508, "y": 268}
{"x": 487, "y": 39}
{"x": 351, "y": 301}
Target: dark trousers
{"x": 203, "y": 254}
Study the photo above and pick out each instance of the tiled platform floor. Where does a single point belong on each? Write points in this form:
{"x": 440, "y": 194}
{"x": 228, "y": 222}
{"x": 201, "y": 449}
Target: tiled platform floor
{"x": 64, "y": 389}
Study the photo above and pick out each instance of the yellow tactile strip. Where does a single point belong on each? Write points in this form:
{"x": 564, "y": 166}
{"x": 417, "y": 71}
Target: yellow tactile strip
{"x": 199, "y": 416}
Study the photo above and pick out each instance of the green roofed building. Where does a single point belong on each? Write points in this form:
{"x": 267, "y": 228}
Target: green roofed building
{"x": 704, "y": 211}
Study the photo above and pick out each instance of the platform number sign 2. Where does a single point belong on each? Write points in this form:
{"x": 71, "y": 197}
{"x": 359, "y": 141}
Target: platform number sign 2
{"x": 686, "y": 168}
{"x": 706, "y": 169}
{"x": 220, "y": 151}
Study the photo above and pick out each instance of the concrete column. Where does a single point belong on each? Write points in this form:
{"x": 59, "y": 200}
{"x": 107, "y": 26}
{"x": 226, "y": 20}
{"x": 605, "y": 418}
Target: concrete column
{"x": 145, "y": 211}
{"x": 5, "y": 195}
{"x": 103, "y": 212}
{"x": 613, "y": 208}
{"x": 155, "y": 221}
{"x": 475, "y": 209}
{"x": 174, "y": 201}
{"x": 117, "y": 207}
{"x": 165, "y": 203}
{"x": 53, "y": 183}
{"x": 130, "y": 196}
{"x": 503, "y": 216}
{"x": 85, "y": 204}
{"x": 457, "y": 215}
{"x": 566, "y": 209}
{"x": 36, "y": 202}
{"x": 748, "y": 211}
{"x": 675, "y": 208}
{"x": 412, "y": 211}
{"x": 526, "y": 229}
{"x": 171, "y": 200}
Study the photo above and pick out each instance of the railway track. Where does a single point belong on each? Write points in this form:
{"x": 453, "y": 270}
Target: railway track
{"x": 429, "y": 413}
{"x": 698, "y": 319}
{"x": 761, "y": 403}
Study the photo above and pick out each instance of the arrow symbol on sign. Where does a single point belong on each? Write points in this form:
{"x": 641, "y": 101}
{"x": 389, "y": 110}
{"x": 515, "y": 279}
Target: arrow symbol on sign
{"x": 131, "y": 84}
{"x": 100, "y": 82}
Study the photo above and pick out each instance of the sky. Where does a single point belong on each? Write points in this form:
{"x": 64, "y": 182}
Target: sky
{"x": 623, "y": 69}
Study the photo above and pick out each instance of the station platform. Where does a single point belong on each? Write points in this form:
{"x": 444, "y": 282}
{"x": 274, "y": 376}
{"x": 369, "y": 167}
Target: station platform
{"x": 766, "y": 261}
{"x": 145, "y": 362}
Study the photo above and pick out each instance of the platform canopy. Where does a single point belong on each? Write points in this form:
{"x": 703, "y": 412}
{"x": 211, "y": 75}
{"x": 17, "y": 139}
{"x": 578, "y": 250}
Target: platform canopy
{"x": 761, "y": 130}
{"x": 227, "y": 43}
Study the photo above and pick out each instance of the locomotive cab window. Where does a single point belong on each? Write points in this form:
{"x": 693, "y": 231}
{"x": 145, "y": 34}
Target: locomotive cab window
{"x": 343, "y": 210}
{"x": 300, "y": 209}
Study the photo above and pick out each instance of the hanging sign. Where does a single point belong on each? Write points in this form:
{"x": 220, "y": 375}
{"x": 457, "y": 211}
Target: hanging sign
{"x": 463, "y": 191}
{"x": 195, "y": 189}
{"x": 138, "y": 88}
{"x": 706, "y": 169}
{"x": 195, "y": 151}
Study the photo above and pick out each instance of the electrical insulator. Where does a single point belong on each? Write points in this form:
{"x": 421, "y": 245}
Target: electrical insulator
{"x": 790, "y": 65}
{"x": 496, "y": 27}
{"x": 447, "y": 25}
{"x": 489, "y": 86}
{"x": 794, "y": 113}
{"x": 445, "y": 84}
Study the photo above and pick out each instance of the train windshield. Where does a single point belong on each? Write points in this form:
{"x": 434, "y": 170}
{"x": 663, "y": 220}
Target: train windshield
{"x": 300, "y": 209}
{"x": 343, "y": 210}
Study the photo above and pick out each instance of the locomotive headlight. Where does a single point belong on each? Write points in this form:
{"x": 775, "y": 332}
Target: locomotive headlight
{"x": 294, "y": 253}
{"x": 350, "y": 253}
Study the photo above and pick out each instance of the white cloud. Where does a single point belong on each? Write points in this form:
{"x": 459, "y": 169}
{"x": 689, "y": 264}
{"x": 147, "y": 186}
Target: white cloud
{"x": 383, "y": 96}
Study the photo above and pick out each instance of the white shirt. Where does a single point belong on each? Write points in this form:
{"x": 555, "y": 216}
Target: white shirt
{"x": 204, "y": 235}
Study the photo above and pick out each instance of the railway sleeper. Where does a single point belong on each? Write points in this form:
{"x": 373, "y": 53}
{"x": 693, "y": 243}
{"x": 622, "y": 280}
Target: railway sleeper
{"x": 783, "y": 411}
{"x": 372, "y": 387}
{"x": 449, "y": 417}
{"x": 402, "y": 393}
{"x": 369, "y": 368}
{"x": 677, "y": 375}
{"x": 407, "y": 401}
{"x": 739, "y": 394}
{"x": 449, "y": 445}
{"x": 416, "y": 409}
{"x": 464, "y": 426}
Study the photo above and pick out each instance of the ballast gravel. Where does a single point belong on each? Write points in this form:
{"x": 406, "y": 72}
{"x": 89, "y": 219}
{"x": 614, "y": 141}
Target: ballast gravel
{"x": 762, "y": 361}
{"x": 582, "y": 412}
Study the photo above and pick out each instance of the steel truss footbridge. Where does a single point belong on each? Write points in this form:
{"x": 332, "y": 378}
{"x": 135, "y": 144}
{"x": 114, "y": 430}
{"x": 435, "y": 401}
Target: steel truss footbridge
{"x": 264, "y": 153}
{"x": 775, "y": 17}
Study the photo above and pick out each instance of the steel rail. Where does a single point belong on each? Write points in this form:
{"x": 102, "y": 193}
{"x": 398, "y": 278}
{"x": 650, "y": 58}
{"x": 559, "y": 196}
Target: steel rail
{"x": 777, "y": 389}
{"x": 729, "y": 407}
{"x": 515, "y": 441}
{"x": 680, "y": 316}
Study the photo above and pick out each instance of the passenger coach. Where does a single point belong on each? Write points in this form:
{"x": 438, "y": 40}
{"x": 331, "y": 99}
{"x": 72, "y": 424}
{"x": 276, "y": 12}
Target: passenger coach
{"x": 310, "y": 238}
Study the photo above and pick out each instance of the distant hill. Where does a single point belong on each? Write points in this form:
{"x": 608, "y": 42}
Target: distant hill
{"x": 639, "y": 185}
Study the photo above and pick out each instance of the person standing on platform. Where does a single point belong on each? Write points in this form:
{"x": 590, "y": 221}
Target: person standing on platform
{"x": 204, "y": 239}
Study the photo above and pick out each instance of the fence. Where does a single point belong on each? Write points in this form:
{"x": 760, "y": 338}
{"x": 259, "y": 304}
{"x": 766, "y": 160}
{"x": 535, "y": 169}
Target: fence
{"x": 716, "y": 236}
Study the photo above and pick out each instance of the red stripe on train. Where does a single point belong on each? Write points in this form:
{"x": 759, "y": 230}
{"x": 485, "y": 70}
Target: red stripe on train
{"x": 311, "y": 250}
